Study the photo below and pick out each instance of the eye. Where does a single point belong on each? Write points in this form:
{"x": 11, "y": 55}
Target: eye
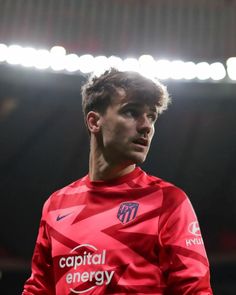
{"x": 131, "y": 113}
{"x": 153, "y": 117}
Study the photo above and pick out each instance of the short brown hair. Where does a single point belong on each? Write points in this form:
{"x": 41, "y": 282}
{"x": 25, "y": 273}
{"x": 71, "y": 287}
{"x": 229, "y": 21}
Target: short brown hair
{"x": 98, "y": 92}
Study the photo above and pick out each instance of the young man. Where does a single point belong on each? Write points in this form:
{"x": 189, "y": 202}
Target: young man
{"x": 119, "y": 230}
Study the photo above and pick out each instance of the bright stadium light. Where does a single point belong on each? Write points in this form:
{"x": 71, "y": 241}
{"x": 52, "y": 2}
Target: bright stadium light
{"x": 42, "y": 59}
{"x": 115, "y": 62}
{"x": 86, "y": 63}
{"x": 57, "y": 64}
{"x": 162, "y": 70}
{"x": 28, "y": 57}
{"x": 177, "y": 69}
{"x": 101, "y": 64}
{"x": 217, "y": 71}
{"x": 231, "y": 61}
{"x": 203, "y": 71}
{"x": 131, "y": 64}
{"x": 71, "y": 62}
{"x": 58, "y": 51}
{"x": 3, "y": 52}
{"x": 231, "y": 68}
{"x": 231, "y": 73}
{"x": 147, "y": 65}
{"x": 189, "y": 70}
{"x": 57, "y": 58}
{"x": 14, "y": 54}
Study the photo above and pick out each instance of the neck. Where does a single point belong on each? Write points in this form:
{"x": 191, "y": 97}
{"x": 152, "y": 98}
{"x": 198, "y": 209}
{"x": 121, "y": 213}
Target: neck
{"x": 102, "y": 169}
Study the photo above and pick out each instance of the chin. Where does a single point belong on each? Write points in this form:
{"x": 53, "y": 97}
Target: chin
{"x": 137, "y": 158}
{"x": 140, "y": 161}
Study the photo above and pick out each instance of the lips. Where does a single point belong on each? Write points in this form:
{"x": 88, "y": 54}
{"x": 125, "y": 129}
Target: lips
{"x": 141, "y": 141}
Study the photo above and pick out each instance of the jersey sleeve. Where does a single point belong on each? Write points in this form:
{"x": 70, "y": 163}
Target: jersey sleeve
{"x": 41, "y": 280}
{"x": 183, "y": 257}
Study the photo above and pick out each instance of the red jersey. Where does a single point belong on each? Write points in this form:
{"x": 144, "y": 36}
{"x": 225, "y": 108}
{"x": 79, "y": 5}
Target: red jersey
{"x": 137, "y": 234}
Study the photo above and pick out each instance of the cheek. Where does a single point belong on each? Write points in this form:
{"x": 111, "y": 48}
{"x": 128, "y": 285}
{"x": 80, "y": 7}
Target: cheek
{"x": 152, "y": 133}
{"x": 153, "y": 130}
{"x": 118, "y": 131}
{"x": 113, "y": 133}
{"x": 125, "y": 132}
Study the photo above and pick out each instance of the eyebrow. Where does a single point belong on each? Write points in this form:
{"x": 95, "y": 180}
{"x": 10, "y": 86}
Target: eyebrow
{"x": 139, "y": 105}
{"x": 154, "y": 109}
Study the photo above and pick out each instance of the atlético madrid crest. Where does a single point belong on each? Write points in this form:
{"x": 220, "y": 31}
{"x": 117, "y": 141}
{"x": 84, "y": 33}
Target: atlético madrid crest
{"x": 127, "y": 211}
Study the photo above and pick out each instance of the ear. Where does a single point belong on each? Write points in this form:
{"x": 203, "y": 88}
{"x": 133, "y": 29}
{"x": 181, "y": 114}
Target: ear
{"x": 93, "y": 121}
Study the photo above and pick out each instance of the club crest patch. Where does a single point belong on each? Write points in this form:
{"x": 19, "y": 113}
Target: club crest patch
{"x": 127, "y": 211}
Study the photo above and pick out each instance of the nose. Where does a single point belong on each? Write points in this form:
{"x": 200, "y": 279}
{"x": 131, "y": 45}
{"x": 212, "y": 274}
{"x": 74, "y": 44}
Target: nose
{"x": 144, "y": 125}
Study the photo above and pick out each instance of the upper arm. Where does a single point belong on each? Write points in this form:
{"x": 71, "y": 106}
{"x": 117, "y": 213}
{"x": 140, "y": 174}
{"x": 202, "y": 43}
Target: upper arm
{"x": 183, "y": 257}
{"x": 41, "y": 280}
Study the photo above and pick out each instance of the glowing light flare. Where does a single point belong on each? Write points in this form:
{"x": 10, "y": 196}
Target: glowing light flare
{"x": 28, "y": 57}
{"x": 146, "y": 60}
{"x": 115, "y": 62}
{"x": 231, "y": 68}
{"x": 3, "y": 52}
{"x": 203, "y": 71}
{"x": 58, "y": 51}
{"x": 130, "y": 64}
{"x": 231, "y": 73}
{"x": 57, "y": 58}
{"x": 57, "y": 64}
{"x": 101, "y": 64}
{"x": 177, "y": 69}
{"x": 14, "y": 54}
{"x": 42, "y": 59}
{"x": 217, "y": 71}
{"x": 86, "y": 63}
{"x": 190, "y": 70}
{"x": 162, "y": 69}
{"x": 71, "y": 62}
{"x": 147, "y": 65}
{"x": 231, "y": 61}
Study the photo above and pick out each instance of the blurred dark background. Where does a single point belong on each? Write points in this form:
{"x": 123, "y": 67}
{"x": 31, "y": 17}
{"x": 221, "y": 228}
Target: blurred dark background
{"x": 44, "y": 145}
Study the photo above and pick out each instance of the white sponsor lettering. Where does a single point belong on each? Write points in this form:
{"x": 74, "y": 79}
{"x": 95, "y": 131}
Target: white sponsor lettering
{"x": 74, "y": 262}
{"x": 195, "y": 241}
{"x": 100, "y": 277}
{"x": 62, "y": 262}
{"x": 85, "y": 259}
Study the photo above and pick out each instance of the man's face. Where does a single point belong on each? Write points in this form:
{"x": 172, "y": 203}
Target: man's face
{"x": 127, "y": 129}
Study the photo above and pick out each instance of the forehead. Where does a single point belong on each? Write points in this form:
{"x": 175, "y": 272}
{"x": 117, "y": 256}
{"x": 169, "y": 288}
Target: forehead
{"x": 134, "y": 99}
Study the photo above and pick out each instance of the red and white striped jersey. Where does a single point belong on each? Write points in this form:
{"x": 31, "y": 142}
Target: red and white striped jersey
{"x": 134, "y": 235}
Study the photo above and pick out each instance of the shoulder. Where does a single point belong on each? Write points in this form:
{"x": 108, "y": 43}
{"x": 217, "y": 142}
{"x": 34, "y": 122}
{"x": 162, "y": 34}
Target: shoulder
{"x": 64, "y": 196}
{"x": 172, "y": 195}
